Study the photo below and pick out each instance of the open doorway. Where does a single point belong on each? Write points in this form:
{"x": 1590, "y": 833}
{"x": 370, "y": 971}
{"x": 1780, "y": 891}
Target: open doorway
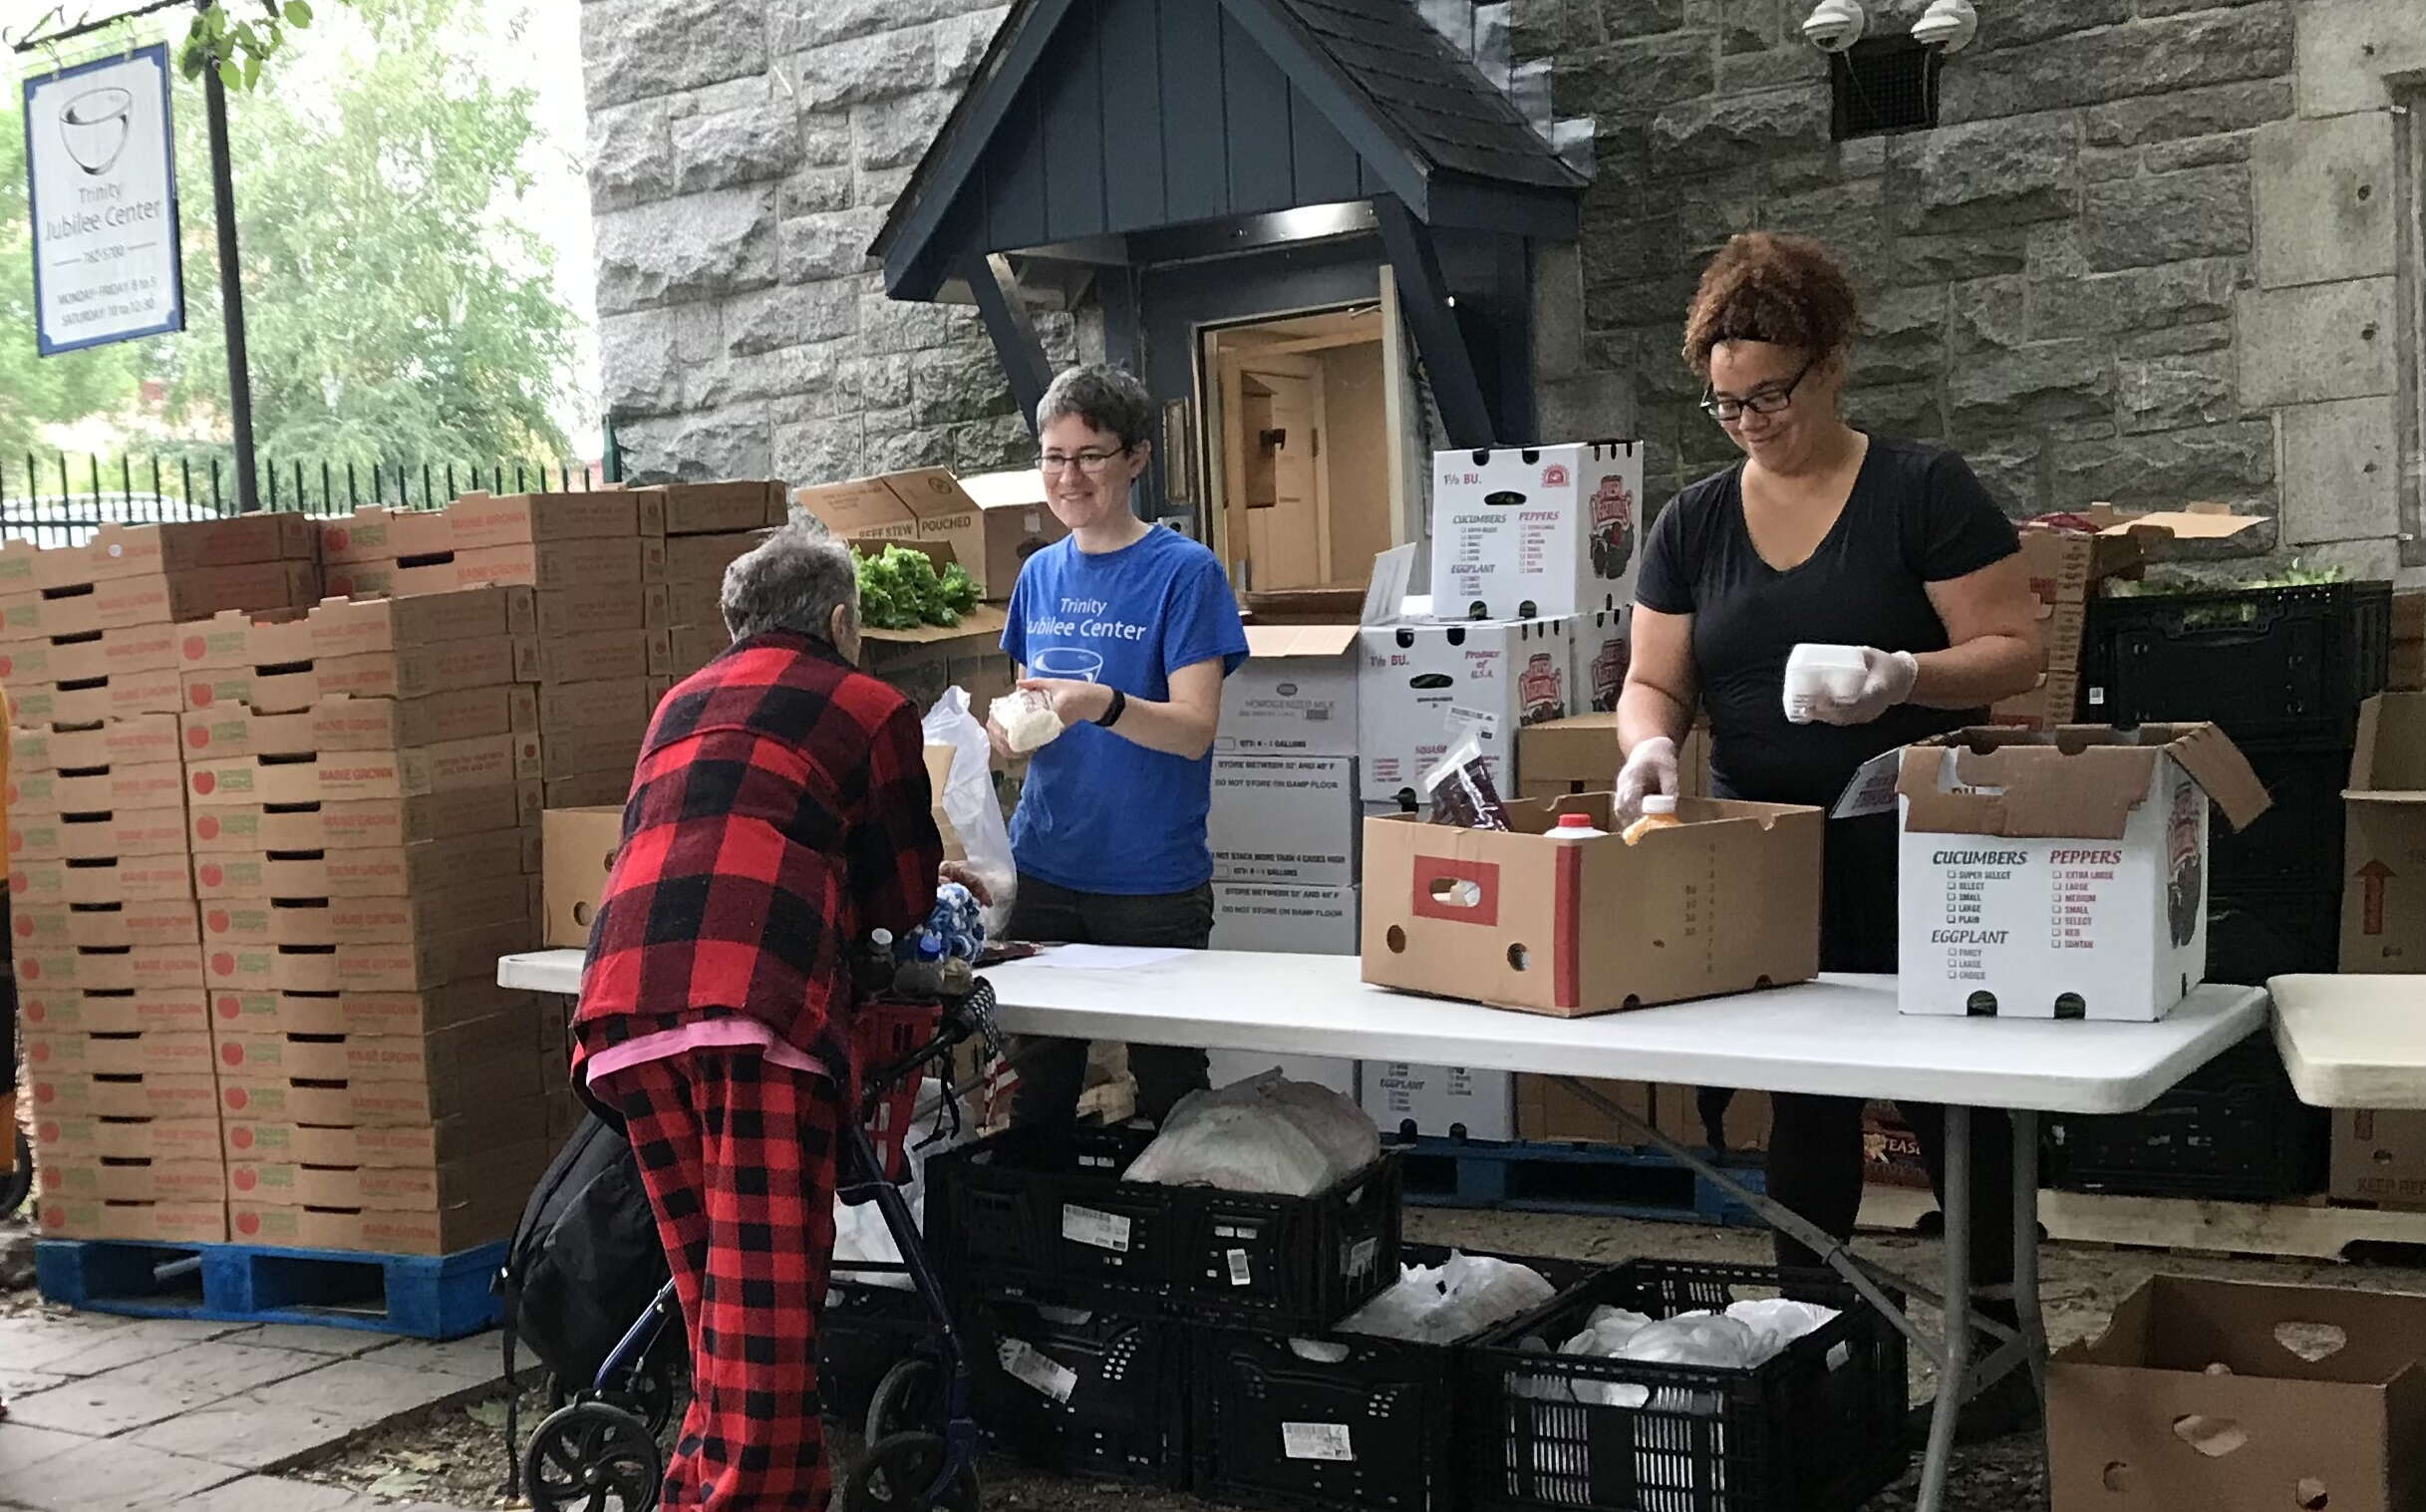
{"x": 1298, "y": 426}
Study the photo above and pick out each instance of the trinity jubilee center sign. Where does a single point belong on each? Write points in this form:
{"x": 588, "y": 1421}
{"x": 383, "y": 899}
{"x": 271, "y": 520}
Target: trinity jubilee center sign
{"x": 100, "y": 177}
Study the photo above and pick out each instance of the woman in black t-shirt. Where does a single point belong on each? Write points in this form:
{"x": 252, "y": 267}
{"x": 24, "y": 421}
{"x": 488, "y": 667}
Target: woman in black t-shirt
{"x": 1823, "y": 534}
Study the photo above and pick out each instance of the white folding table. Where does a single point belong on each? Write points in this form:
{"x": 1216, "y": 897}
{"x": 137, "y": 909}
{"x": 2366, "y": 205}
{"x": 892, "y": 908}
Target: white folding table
{"x": 1839, "y": 1036}
{"x": 2353, "y": 1042}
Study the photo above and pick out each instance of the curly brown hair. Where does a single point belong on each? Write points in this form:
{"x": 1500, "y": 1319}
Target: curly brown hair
{"x": 1765, "y": 287}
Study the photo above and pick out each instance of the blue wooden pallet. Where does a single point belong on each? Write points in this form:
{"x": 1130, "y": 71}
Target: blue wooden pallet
{"x": 424, "y": 1295}
{"x": 1597, "y": 1179}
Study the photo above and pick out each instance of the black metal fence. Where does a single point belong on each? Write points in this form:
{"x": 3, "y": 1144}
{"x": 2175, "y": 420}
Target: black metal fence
{"x": 60, "y": 501}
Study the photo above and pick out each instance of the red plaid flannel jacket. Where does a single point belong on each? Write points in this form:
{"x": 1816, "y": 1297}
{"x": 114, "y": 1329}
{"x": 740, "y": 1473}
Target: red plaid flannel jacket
{"x": 780, "y": 811}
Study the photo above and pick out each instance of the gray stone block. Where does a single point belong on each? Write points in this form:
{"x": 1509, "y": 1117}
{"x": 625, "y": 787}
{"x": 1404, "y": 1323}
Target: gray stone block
{"x": 902, "y": 451}
{"x": 1558, "y": 300}
{"x": 1991, "y": 173}
{"x": 2348, "y": 48}
{"x": 2055, "y": 250}
{"x": 960, "y": 44}
{"x": 2048, "y": 379}
{"x": 2141, "y": 221}
{"x": 2008, "y": 467}
{"x": 797, "y": 24}
{"x": 817, "y": 191}
{"x": 645, "y": 354}
{"x": 631, "y": 154}
{"x": 2118, "y": 63}
{"x": 2138, "y": 300}
{"x": 1639, "y": 75}
{"x": 880, "y": 67}
{"x": 2232, "y": 462}
{"x": 2326, "y": 193}
{"x": 2187, "y": 113}
{"x": 877, "y": 189}
{"x": 992, "y": 446}
{"x": 722, "y": 444}
{"x": 826, "y": 138}
{"x": 735, "y": 146}
{"x": 2016, "y": 25}
{"x": 2106, "y": 164}
{"x": 699, "y": 246}
{"x": 2177, "y": 341}
{"x": 890, "y": 326}
{"x": 823, "y": 452}
{"x": 1714, "y": 135}
{"x": 1744, "y": 26}
{"x": 2175, "y": 391}
{"x": 112, "y": 1475}
{"x": 1589, "y": 404}
{"x": 2199, "y": 153}
{"x": 1991, "y": 312}
{"x": 895, "y": 134}
{"x": 831, "y": 246}
{"x": 1909, "y": 411}
{"x": 2371, "y": 561}
{"x": 954, "y": 385}
{"x": 1903, "y": 337}
{"x": 633, "y": 49}
{"x": 2324, "y": 341}
{"x": 1942, "y": 258}
{"x": 789, "y": 315}
{"x": 2340, "y": 471}
{"x": 1793, "y": 63}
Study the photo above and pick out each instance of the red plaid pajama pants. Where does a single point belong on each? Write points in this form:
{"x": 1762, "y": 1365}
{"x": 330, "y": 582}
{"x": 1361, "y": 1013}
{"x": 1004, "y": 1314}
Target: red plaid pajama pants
{"x": 737, "y": 1155}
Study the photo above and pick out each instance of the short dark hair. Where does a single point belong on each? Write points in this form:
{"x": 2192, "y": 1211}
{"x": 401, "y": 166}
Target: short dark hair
{"x": 1108, "y": 398}
{"x": 1763, "y": 286}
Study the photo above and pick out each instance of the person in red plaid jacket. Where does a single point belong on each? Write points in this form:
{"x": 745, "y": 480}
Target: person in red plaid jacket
{"x": 780, "y": 811}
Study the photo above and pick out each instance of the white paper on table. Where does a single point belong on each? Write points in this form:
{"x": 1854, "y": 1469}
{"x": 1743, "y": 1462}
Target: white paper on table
{"x": 1108, "y": 957}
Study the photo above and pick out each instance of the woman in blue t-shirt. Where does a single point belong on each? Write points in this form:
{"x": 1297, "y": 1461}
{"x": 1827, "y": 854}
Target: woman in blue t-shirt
{"x": 1130, "y": 629}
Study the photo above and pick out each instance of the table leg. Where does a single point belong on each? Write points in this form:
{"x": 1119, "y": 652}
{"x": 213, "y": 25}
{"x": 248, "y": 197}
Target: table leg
{"x": 2026, "y": 1276}
{"x": 1954, "y": 1375}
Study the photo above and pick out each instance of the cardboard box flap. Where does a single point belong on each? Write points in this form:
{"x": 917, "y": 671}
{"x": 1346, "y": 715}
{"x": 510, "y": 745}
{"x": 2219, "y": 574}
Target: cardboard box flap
{"x": 929, "y": 491}
{"x": 1299, "y": 640}
{"x": 983, "y": 623}
{"x": 2199, "y": 522}
{"x": 2219, "y": 767}
{"x": 2260, "y": 1331}
{"x": 2389, "y": 765}
{"x": 1999, "y": 781}
{"x": 862, "y": 507}
{"x": 1022, "y": 490}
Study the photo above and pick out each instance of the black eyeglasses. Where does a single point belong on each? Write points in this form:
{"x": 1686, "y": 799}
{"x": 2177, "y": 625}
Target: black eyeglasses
{"x": 1766, "y": 401}
{"x": 1091, "y": 463}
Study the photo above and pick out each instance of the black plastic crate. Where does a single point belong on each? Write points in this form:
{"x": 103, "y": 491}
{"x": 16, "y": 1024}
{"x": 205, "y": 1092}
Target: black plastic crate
{"x": 2272, "y": 665}
{"x": 866, "y": 1329}
{"x": 1080, "y": 1392}
{"x": 1817, "y": 1428}
{"x": 1043, "y": 1214}
{"x": 2253, "y": 934}
{"x": 1337, "y": 1420}
{"x": 2232, "y": 1131}
{"x": 2296, "y": 842}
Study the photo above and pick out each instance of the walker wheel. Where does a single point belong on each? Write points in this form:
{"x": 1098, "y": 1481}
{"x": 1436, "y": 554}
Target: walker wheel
{"x": 896, "y": 1474}
{"x": 646, "y": 1391}
{"x": 904, "y": 1400}
{"x": 592, "y": 1457}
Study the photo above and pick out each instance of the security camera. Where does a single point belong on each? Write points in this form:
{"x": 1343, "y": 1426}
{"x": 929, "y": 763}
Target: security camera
{"x": 1948, "y": 25}
{"x": 1835, "y": 25}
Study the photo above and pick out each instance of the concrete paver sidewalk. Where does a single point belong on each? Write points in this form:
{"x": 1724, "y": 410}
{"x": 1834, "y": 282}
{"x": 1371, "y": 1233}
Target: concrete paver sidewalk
{"x": 137, "y": 1414}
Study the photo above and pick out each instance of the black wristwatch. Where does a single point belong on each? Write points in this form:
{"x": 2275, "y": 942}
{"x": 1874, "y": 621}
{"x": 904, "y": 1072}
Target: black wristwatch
{"x": 1111, "y": 716}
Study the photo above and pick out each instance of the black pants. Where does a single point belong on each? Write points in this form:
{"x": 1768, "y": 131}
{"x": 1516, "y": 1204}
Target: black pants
{"x": 1815, "y": 1144}
{"x": 1053, "y": 1073}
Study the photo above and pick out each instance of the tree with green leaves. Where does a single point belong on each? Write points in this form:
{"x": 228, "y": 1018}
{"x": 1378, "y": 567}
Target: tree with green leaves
{"x": 37, "y": 390}
{"x": 395, "y": 311}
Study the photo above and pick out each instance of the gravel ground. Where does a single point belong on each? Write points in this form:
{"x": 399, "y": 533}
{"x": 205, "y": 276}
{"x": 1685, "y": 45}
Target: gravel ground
{"x": 452, "y": 1455}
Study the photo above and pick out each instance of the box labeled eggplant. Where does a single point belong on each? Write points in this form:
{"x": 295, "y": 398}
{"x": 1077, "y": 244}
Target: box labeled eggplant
{"x": 1407, "y": 1100}
{"x": 1546, "y": 531}
{"x": 2053, "y": 874}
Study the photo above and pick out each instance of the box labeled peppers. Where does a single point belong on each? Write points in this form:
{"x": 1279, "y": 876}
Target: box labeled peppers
{"x": 2055, "y": 874}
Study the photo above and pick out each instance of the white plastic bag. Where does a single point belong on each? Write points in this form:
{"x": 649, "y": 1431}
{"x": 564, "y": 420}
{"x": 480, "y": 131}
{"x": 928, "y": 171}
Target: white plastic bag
{"x": 969, "y": 802}
{"x": 1453, "y": 1301}
{"x": 1277, "y": 1137}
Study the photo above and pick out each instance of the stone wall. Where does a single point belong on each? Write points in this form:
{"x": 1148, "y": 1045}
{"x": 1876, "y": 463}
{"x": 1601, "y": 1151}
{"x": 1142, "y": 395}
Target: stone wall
{"x": 2147, "y": 256}
{"x": 741, "y": 158}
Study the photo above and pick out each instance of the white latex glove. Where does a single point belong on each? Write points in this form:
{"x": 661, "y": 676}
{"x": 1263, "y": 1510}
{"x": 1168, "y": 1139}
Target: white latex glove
{"x": 1887, "y": 679}
{"x": 1652, "y": 769}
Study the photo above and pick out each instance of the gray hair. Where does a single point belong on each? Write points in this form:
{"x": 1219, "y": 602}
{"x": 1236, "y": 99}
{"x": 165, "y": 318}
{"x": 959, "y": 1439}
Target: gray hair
{"x": 791, "y": 580}
{"x": 1107, "y": 399}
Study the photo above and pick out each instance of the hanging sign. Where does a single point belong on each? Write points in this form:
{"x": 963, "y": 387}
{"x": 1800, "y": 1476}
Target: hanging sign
{"x": 100, "y": 177}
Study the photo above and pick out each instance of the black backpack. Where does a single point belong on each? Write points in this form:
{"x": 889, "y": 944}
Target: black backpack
{"x": 584, "y": 1262}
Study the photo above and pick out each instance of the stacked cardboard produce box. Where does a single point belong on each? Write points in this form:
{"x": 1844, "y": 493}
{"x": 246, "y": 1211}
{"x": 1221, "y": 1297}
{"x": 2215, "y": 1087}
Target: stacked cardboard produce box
{"x": 107, "y": 940}
{"x": 362, "y": 790}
